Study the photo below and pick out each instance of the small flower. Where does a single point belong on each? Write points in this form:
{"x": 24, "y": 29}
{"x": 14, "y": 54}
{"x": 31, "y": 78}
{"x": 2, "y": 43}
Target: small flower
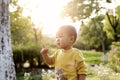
{"x": 26, "y": 74}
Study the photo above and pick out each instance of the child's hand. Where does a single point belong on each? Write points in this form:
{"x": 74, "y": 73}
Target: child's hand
{"x": 44, "y": 51}
{"x": 45, "y": 56}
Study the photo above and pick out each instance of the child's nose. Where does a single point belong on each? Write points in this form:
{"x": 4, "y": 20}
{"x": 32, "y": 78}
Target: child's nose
{"x": 57, "y": 39}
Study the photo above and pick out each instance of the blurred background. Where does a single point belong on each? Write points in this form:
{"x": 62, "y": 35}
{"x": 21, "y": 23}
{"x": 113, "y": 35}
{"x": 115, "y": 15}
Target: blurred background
{"x": 35, "y": 22}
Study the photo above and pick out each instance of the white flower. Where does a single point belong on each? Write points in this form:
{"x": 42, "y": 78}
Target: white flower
{"x": 26, "y": 64}
{"x": 26, "y": 74}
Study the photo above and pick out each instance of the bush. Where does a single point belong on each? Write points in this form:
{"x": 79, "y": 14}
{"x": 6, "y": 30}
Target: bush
{"x": 114, "y": 56}
{"x": 29, "y": 54}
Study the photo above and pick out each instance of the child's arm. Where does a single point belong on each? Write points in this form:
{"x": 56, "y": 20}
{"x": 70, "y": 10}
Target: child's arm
{"x": 82, "y": 77}
{"x": 45, "y": 56}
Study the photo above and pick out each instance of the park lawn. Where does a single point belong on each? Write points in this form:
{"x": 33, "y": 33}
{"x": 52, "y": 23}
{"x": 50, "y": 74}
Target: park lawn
{"x": 93, "y": 57}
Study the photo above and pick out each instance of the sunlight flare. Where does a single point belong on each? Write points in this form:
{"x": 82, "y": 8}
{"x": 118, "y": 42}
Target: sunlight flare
{"x": 45, "y": 14}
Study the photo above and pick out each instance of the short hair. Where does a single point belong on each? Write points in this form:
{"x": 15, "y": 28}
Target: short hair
{"x": 69, "y": 29}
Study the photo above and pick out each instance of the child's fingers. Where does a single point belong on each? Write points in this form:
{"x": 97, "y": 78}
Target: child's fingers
{"x": 43, "y": 46}
{"x": 44, "y": 50}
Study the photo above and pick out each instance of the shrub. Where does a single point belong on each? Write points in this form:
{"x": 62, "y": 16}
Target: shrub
{"x": 27, "y": 53}
{"x": 114, "y": 56}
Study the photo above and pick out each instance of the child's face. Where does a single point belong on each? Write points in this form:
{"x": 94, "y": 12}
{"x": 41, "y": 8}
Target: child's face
{"x": 63, "y": 39}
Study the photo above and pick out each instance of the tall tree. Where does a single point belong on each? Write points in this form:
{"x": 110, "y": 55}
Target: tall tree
{"x": 92, "y": 33}
{"x": 21, "y": 27}
{"x": 112, "y": 22}
{"x": 7, "y": 70}
{"x": 112, "y": 26}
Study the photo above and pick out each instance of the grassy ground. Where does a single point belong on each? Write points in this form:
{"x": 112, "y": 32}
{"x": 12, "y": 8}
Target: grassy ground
{"x": 92, "y": 57}
{"x": 96, "y": 71}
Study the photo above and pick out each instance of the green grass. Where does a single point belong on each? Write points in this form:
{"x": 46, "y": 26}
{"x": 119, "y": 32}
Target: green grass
{"x": 92, "y": 78}
{"x": 92, "y": 57}
{"x": 32, "y": 77}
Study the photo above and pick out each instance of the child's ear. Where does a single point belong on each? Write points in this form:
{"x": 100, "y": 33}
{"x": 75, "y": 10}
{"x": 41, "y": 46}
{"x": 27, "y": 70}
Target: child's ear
{"x": 72, "y": 39}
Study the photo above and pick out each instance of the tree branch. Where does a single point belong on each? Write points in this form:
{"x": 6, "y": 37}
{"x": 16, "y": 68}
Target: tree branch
{"x": 108, "y": 16}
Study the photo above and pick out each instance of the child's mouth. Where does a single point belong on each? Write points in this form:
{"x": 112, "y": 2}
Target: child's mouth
{"x": 58, "y": 43}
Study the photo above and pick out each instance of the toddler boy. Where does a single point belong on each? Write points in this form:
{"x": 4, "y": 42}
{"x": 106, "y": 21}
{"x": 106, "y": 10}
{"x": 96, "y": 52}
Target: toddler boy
{"x": 68, "y": 61}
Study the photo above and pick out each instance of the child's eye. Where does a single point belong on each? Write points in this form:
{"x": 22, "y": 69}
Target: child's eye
{"x": 59, "y": 36}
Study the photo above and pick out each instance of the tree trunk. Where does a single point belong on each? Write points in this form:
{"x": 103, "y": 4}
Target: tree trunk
{"x": 7, "y": 70}
{"x": 102, "y": 40}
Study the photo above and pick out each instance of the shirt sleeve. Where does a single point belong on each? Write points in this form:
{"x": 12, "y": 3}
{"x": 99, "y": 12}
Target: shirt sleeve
{"x": 80, "y": 64}
{"x": 53, "y": 57}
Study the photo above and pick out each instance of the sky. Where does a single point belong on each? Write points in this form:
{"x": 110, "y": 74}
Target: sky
{"x": 46, "y": 13}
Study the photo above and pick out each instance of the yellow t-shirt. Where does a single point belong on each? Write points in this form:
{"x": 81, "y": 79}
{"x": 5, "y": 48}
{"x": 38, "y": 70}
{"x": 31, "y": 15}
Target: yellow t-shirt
{"x": 68, "y": 64}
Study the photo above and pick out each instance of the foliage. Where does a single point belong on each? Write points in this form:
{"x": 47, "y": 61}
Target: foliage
{"x": 96, "y": 72}
{"x": 112, "y": 25}
{"x": 22, "y": 28}
{"x": 118, "y": 15}
{"x": 13, "y": 2}
{"x": 81, "y": 9}
{"x": 108, "y": 1}
{"x": 91, "y": 34}
{"x": 102, "y": 72}
{"x": 44, "y": 75}
{"x": 118, "y": 11}
{"x": 80, "y": 45}
{"x": 26, "y": 40}
{"x": 20, "y": 31}
{"x": 91, "y": 38}
{"x": 114, "y": 56}
{"x": 29, "y": 76}
{"x": 48, "y": 75}
{"x": 30, "y": 54}
{"x": 107, "y": 27}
